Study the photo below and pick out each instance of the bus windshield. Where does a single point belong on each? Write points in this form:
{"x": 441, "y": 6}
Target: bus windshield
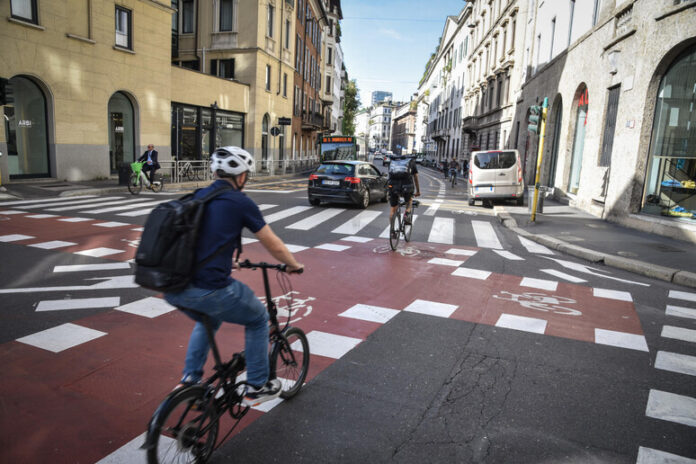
{"x": 338, "y": 148}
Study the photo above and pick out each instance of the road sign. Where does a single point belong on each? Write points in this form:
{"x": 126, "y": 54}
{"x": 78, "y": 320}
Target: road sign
{"x": 275, "y": 131}
{"x": 284, "y": 121}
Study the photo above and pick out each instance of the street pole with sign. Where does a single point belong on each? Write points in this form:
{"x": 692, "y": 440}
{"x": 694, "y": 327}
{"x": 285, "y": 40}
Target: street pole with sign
{"x": 537, "y": 117}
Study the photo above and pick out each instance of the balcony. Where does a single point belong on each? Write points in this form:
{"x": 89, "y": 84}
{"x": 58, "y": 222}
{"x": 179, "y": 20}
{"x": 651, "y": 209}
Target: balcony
{"x": 312, "y": 120}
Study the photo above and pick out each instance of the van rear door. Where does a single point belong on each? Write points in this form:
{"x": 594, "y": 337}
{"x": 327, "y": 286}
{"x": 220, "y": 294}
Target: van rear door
{"x": 497, "y": 173}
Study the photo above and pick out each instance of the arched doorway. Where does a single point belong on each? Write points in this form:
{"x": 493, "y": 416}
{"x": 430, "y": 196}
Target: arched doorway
{"x": 581, "y": 101}
{"x": 557, "y": 118}
{"x": 671, "y": 169}
{"x": 121, "y": 131}
{"x": 264, "y": 141}
{"x": 26, "y": 129}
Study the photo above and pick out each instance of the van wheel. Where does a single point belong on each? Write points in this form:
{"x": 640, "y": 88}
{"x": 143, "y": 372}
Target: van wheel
{"x": 520, "y": 201}
{"x": 487, "y": 204}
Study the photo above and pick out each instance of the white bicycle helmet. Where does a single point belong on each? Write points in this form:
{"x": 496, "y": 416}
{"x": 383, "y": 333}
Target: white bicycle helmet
{"x": 232, "y": 161}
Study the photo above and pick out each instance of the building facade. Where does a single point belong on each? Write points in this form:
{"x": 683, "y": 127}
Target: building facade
{"x": 380, "y": 96}
{"x": 102, "y": 89}
{"x": 620, "y": 134}
{"x": 404, "y": 129}
{"x": 333, "y": 64}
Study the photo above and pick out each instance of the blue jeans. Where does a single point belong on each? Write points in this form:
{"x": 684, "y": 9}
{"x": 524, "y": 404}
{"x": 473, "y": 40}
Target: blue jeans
{"x": 235, "y": 303}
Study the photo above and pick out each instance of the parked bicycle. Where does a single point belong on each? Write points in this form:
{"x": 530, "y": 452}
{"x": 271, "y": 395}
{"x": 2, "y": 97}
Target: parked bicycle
{"x": 398, "y": 225}
{"x": 190, "y": 172}
{"x": 185, "y": 426}
{"x": 138, "y": 178}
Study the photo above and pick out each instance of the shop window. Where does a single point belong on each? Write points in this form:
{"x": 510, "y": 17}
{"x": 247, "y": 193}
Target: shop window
{"x": 24, "y": 10}
{"x": 671, "y": 176}
{"x": 124, "y": 37}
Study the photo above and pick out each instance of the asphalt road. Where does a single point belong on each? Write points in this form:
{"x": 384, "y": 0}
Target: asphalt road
{"x": 466, "y": 345}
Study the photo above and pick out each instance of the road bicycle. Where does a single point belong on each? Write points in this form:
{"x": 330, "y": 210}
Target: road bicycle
{"x": 185, "y": 426}
{"x": 191, "y": 172}
{"x": 398, "y": 225}
{"x": 138, "y": 178}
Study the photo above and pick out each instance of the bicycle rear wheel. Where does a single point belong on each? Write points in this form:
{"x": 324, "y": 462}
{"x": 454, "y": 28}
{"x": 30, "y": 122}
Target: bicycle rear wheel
{"x": 134, "y": 184}
{"x": 184, "y": 432}
{"x": 190, "y": 174}
{"x": 395, "y": 229}
{"x": 291, "y": 359}
{"x": 158, "y": 185}
{"x": 408, "y": 227}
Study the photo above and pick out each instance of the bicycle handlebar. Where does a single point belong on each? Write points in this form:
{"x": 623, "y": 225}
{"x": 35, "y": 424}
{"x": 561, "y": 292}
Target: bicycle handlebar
{"x": 246, "y": 264}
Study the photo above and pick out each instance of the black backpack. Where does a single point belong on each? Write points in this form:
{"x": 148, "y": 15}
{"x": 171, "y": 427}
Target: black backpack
{"x": 166, "y": 257}
{"x": 400, "y": 169}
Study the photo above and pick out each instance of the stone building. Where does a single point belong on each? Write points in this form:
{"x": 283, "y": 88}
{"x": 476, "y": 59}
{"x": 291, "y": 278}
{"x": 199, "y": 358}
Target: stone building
{"x": 88, "y": 88}
{"x": 620, "y": 78}
{"x": 404, "y": 129}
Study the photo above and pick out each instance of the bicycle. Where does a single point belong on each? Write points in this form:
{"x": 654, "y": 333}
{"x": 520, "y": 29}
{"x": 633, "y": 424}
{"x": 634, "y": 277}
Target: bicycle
{"x": 190, "y": 172}
{"x": 398, "y": 226}
{"x": 453, "y": 176}
{"x": 138, "y": 177}
{"x": 185, "y": 426}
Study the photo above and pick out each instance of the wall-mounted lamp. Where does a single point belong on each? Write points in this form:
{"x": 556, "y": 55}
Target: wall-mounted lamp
{"x": 214, "y": 105}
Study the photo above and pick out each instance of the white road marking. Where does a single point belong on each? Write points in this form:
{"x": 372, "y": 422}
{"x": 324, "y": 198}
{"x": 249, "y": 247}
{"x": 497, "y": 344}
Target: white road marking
{"x": 106, "y": 283}
{"x": 431, "y": 308}
{"x": 99, "y": 252}
{"x": 52, "y": 244}
{"x": 682, "y": 295}
{"x": 507, "y": 255}
{"x": 149, "y": 307}
{"x": 76, "y": 219}
{"x": 295, "y": 248}
{"x": 315, "y": 219}
{"x": 356, "y": 238}
{"x": 534, "y": 247}
{"x": 370, "y": 313}
{"x": 675, "y": 362}
{"x": 41, "y": 216}
{"x": 680, "y": 311}
{"x": 78, "y": 303}
{"x": 485, "y": 235}
{"x": 563, "y": 275}
{"x": 539, "y": 283}
{"x": 131, "y": 451}
{"x": 611, "y": 294}
{"x": 265, "y": 206}
{"x": 14, "y": 237}
{"x": 679, "y": 333}
{"x": 280, "y": 215}
{"x": 111, "y": 224}
{"x": 671, "y": 407}
{"x": 328, "y": 345}
{"x": 42, "y": 200}
{"x": 331, "y": 247}
{"x": 91, "y": 267}
{"x": 9, "y": 212}
{"x": 138, "y": 212}
{"x": 111, "y": 209}
{"x": 61, "y": 338}
{"x": 357, "y": 223}
{"x": 433, "y": 208}
{"x": 472, "y": 273}
{"x": 592, "y": 271}
{"x": 67, "y": 202}
{"x": 653, "y": 456}
{"x": 621, "y": 339}
{"x": 442, "y": 231}
{"x": 93, "y": 205}
{"x": 446, "y": 262}
{"x": 526, "y": 324}
{"x": 460, "y": 252}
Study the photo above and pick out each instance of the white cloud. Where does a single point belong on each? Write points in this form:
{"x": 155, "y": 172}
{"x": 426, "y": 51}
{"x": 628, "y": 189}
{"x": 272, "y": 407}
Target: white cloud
{"x": 392, "y": 33}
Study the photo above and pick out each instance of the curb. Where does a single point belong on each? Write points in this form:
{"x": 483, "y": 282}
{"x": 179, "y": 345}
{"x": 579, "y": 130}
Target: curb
{"x": 677, "y": 276}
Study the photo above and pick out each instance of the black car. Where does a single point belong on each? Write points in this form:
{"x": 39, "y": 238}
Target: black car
{"x": 356, "y": 182}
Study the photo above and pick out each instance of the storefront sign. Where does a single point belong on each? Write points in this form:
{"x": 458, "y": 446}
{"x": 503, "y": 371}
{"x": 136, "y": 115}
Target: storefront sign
{"x": 24, "y": 123}
{"x": 118, "y": 129}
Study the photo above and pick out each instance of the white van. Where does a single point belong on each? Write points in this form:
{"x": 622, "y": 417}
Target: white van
{"x": 496, "y": 174}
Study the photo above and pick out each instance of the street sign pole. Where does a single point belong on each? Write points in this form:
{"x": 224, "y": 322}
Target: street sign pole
{"x": 540, "y": 155}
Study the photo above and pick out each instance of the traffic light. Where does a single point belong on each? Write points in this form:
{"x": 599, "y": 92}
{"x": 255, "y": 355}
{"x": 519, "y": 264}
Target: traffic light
{"x": 4, "y": 83}
{"x": 534, "y": 118}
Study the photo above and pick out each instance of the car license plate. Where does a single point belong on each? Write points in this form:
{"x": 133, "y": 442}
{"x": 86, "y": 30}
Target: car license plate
{"x": 329, "y": 182}
{"x": 483, "y": 189}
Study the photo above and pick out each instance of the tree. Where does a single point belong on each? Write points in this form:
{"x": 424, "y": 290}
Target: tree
{"x": 351, "y": 103}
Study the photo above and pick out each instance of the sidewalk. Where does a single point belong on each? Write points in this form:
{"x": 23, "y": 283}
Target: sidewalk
{"x": 569, "y": 230}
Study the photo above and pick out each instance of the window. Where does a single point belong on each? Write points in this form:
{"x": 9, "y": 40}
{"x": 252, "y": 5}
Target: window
{"x": 610, "y": 126}
{"x": 570, "y": 22}
{"x": 222, "y": 68}
{"x": 226, "y": 15}
{"x": 287, "y": 33}
{"x": 328, "y": 84}
{"x": 123, "y": 28}
{"x": 268, "y": 77}
{"x": 24, "y": 10}
{"x": 595, "y": 14}
{"x": 271, "y": 14}
{"x": 553, "y": 37}
{"x": 298, "y": 54}
{"x": 329, "y": 57}
{"x": 285, "y": 84}
{"x": 187, "y": 17}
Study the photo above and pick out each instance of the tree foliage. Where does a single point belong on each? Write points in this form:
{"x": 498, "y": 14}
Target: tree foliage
{"x": 351, "y": 103}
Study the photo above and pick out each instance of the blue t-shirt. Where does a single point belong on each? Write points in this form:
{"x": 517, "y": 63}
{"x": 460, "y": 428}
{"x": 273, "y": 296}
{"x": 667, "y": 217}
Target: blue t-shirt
{"x": 224, "y": 218}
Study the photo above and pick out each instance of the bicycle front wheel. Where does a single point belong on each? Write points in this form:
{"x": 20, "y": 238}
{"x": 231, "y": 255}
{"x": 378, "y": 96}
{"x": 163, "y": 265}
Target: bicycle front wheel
{"x": 291, "y": 358}
{"x": 187, "y": 429}
{"x": 134, "y": 184}
{"x": 394, "y": 230}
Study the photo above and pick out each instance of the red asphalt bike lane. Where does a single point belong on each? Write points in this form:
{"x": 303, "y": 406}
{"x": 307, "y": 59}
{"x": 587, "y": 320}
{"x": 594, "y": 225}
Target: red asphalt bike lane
{"x": 84, "y": 403}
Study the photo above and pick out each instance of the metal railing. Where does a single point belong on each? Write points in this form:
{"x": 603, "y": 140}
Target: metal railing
{"x": 199, "y": 170}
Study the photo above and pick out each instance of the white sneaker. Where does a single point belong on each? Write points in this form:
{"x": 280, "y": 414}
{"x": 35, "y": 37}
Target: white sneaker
{"x": 255, "y": 396}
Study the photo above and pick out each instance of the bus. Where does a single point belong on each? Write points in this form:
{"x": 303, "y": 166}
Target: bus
{"x": 338, "y": 147}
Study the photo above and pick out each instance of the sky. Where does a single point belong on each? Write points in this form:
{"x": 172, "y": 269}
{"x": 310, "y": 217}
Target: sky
{"x": 387, "y": 43}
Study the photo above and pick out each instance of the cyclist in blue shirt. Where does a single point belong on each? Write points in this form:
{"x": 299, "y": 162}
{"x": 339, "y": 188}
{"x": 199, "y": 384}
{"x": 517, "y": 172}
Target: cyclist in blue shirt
{"x": 214, "y": 292}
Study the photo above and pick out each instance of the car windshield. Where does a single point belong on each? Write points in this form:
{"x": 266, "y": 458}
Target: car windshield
{"x": 336, "y": 169}
{"x": 495, "y": 160}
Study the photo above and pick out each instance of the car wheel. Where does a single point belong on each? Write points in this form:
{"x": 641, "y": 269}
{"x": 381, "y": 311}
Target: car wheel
{"x": 365, "y": 199}
{"x": 314, "y": 201}
{"x": 386, "y": 196}
{"x": 471, "y": 202}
